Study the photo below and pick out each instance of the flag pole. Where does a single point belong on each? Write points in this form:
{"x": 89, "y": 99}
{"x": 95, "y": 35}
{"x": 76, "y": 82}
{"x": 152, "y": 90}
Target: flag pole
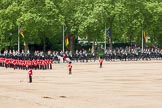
{"x": 18, "y": 40}
{"x": 142, "y": 40}
{"x": 63, "y": 44}
{"x": 105, "y": 38}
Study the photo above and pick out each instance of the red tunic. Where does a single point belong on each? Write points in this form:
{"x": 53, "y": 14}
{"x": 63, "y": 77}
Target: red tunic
{"x": 7, "y": 61}
{"x": 42, "y": 62}
{"x": 14, "y": 62}
{"x": 100, "y": 61}
{"x": 70, "y": 66}
{"x": 50, "y": 61}
{"x": 2, "y": 60}
{"x": 30, "y": 72}
{"x": 35, "y": 62}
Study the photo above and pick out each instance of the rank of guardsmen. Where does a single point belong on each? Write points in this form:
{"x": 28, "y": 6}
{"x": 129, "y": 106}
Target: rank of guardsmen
{"x": 15, "y": 60}
{"x": 41, "y": 60}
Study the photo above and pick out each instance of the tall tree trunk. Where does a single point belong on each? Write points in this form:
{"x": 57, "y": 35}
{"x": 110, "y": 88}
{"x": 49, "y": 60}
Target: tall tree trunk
{"x": 93, "y": 47}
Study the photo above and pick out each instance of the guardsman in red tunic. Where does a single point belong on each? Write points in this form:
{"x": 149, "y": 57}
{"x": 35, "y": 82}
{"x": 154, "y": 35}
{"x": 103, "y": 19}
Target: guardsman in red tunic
{"x": 7, "y": 62}
{"x": 14, "y": 64}
{"x": 36, "y": 64}
{"x": 39, "y": 63}
{"x": 30, "y": 73}
{"x": 100, "y": 61}
{"x": 43, "y": 64}
{"x": 70, "y": 68}
{"x": 50, "y": 63}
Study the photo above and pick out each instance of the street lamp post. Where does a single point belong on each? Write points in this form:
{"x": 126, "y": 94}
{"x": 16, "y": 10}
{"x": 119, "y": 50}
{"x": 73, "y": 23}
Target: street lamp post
{"x": 63, "y": 43}
{"x": 18, "y": 40}
{"x": 63, "y": 37}
{"x": 105, "y": 38}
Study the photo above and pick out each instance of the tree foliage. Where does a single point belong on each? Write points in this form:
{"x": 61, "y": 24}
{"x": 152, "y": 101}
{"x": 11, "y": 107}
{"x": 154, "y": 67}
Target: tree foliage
{"x": 42, "y": 21}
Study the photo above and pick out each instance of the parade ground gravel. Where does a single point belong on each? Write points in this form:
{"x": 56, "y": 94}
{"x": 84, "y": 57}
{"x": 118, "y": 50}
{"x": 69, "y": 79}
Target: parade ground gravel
{"x": 122, "y": 84}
